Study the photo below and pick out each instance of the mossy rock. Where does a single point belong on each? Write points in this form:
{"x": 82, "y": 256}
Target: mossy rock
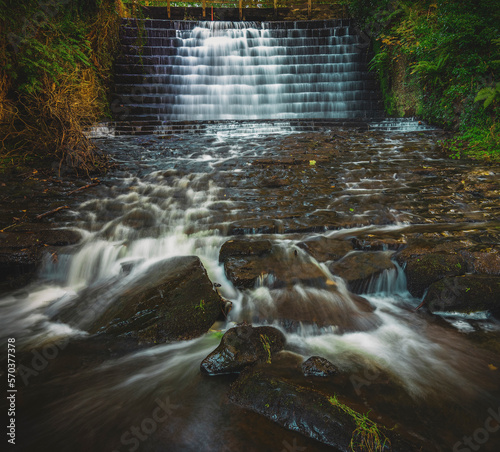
{"x": 175, "y": 300}
{"x": 465, "y": 294}
{"x": 423, "y": 270}
{"x": 241, "y": 347}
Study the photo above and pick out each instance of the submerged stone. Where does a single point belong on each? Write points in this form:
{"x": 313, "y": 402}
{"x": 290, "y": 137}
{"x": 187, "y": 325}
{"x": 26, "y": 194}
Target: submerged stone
{"x": 246, "y": 262}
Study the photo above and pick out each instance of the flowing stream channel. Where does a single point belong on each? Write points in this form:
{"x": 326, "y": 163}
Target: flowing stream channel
{"x": 187, "y": 194}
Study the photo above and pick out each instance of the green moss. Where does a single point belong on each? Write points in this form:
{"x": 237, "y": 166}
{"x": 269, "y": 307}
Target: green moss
{"x": 368, "y": 435}
{"x": 440, "y": 61}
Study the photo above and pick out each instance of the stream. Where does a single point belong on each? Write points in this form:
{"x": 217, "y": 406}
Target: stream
{"x": 187, "y": 194}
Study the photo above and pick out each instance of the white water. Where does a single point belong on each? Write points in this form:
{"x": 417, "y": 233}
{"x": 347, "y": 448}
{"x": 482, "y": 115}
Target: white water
{"x": 244, "y": 70}
{"x": 172, "y": 212}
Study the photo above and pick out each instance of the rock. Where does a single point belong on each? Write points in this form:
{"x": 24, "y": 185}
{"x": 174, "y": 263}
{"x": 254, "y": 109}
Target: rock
{"x": 245, "y": 247}
{"x": 466, "y": 294}
{"x": 376, "y": 243}
{"x": 324, "y": 249}
{"x": 256, "y": 226}
{"x": 426, "y": 263}
{"x": 316, "y": 366}
{"x": 358, "y": 268}
{"x": 22, "y": 251}
{"x": 482, "y": 259}
{"x": 300, "y": 408}
{"x": 175, "y": 300}
{"x": 241, "y": 347}
{"x": 293, "y": 407}
{"x": 247, "y": 261}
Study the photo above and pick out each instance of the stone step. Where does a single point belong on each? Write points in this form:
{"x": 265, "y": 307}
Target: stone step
{"x": 289, "y": 42}
{"x": 164, "y": 88}
{"x": 154, "y": 99}
{"x": 317, "y": 70}
{"x": 267, "y": 25}
{"x": 320, "y": 80}
{"x": 150, "y": 125}
{"x": 337, "y": 109}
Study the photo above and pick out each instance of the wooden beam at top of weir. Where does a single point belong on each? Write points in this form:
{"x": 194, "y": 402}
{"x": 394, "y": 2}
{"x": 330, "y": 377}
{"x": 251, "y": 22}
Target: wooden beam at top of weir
{"x": 241, "y": 5}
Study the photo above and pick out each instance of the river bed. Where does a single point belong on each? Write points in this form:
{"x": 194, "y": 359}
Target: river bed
{"x": 188, "y": 194}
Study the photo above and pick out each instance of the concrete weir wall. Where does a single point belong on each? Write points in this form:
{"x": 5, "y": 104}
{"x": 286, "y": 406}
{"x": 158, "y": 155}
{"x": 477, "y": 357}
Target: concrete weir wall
{"x": 173, "y": 71}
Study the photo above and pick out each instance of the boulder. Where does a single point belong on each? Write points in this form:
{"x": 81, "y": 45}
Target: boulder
{"x": 316, "y": 366}
{"x": 241, "y": 347}
{"x": 293, "y": 407}
{"x": 482, "y": 259}
{"x": 465, "y": 294}
{"x": 358, "y": 268}
{"x": 175, "y": 300}
{"x": 316, "y": 414}
{"x": 247, "y": 261}
{"x": 426, "y": 263}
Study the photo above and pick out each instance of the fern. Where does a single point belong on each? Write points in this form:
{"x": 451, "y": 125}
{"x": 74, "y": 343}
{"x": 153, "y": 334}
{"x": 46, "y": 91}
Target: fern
{"x": 489, "y": 94}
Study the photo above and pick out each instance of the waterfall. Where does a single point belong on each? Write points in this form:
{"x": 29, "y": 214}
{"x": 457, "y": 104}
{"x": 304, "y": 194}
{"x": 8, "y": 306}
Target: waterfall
{"x": 245, "y": 70}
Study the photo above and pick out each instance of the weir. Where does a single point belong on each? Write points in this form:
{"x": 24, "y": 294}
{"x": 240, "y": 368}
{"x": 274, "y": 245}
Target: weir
{"x": 202, "y": 71}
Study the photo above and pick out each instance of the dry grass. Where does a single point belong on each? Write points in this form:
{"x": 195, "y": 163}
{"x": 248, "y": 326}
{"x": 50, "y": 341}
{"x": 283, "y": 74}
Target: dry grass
{"x": 51, "y": 122}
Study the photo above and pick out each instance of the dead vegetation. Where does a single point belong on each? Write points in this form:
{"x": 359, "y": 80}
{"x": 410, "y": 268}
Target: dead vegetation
{"x": 52, "y": 121}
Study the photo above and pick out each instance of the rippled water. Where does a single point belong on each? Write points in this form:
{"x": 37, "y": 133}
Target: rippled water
{"x": 187, "y": 195}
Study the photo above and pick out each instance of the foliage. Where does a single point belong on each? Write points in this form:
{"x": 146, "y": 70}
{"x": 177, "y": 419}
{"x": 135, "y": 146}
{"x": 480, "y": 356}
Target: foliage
{"x": 489, "y": 94}
{"x": 367, "y": 437}
{"x": 56, "y": 72}
{"x": 434, "y": 58}
{"x": 476, "y": 142}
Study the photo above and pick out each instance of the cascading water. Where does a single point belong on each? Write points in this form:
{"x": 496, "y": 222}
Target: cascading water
{"x": 187, "y": 196}
{"x": 245, "y": 70}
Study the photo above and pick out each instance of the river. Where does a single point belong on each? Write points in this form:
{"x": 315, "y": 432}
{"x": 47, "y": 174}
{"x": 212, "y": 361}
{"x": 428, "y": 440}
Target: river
{"x": 189, "y": 193}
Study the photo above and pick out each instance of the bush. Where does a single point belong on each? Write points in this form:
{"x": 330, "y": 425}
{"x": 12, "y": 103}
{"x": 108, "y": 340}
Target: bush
{"x": 451, "y": 55}
{"x": 56, "y": 74}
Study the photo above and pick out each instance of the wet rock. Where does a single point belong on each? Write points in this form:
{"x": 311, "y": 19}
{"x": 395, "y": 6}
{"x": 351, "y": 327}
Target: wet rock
{"x": 300, "y": 408}
{"x": 482, "y": 259}
{"x": 139, "y": 218}
{"x": 466, "y": 294}
{"x": 175, "y": 300}
{"x": 256, "y": 226}
{"x": 233, "y": 248}
{"x": 22, "y": 251}
{"x": 324, "y": 249}
{"x": 293, "y": 407}
{"x": 375, "y": 243}
{"x": 358, "y": 268}
{"x": 241, "y": 347}
{"x": 246, "y": 262}
{"x": 316, "y": 366}
{"x": 426, "y": 263}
